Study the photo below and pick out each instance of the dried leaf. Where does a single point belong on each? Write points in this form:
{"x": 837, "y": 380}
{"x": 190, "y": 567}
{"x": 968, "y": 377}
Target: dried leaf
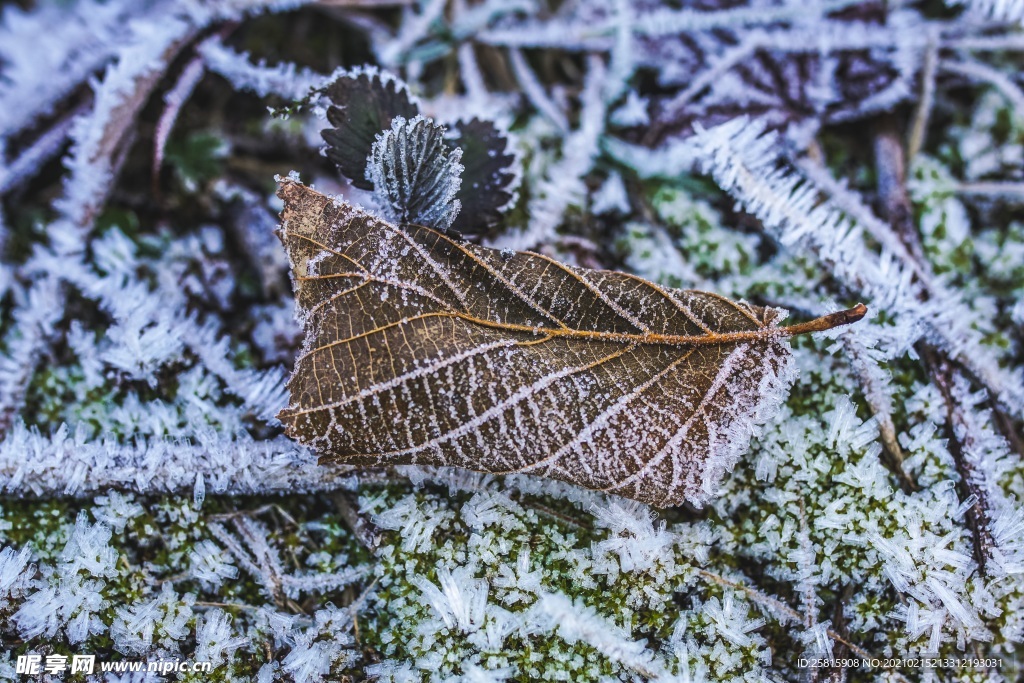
{"x": 421, "y": 349}
{"x": 365, "y": 103}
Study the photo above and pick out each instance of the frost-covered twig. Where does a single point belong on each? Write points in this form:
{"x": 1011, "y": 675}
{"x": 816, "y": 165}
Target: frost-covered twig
{"x": 48, "y": 51}
{"x": 100, "y": 137}
{"x": 71, "y": 464}
{"x": 415, "y": 26}
{"x": 744, "y": 161}
{"x": 922, "y": 115}
{"x": 875, "y": 383}
{"x": 975, "y": 450}
{"x": 1003, "y": 10}
{"x": 45, "y": 147}
{"x": 40, "y": 308}
{"x": 783, "y": 611}
{"x": 579, "y": 623}
{"x": 982, "y": 72}
{"x": 174, "y": 100}
{"x": 534, "y": 90}
{"x": 254, "y": 226}
{"x": 668, "y": 21}
{"x": 1009, "y": 189}
{"x": 286, "y": 80}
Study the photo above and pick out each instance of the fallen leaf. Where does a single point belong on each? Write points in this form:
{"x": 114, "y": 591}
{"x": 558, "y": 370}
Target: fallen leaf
{"x": 422, "y": 349}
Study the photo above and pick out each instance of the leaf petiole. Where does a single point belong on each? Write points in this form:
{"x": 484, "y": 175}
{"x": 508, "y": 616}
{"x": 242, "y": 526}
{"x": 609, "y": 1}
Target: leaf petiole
{"x": 827, "y": 322}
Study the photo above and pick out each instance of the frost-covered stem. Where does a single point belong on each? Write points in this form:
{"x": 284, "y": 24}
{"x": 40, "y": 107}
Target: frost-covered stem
{"x": 670, "y": 21}
{"x": 890, "y": 171}
{"x": 67, "y": 464}
{"x": 978, "y": 71}
{"x": 26, "y": 343}
{"x": 1012, "y": 42}
{"x": 574, "y": 624}
{"x": 1000, "y": 10}
{"x": 101, "y": 137}
{"x": 722, "y": 64}
{"x": 174, "y": 99}
{"x": 469, "y": 72}
{"x": 270, "y": 571}
{"x": 853, "y": 205}
{"x": 840, "y": 673}
{"x": 805, "y": 586}
{"x": 563, "y": 183}
{"x": 972, "y": 480}
{"x": 254, "y": 226}
{"x": 285, "y": 79}
{"x": 232, "y": 545}
{"x": 534, "y": 90}
{"x": 46, "y": 146}
{"x": 63, "y": 44}
{"x": 415, "y": 25}
{"x": 742, "y": 159}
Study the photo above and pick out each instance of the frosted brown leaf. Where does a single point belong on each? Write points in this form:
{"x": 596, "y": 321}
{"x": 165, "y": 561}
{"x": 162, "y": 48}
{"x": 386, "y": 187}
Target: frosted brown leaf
{"x": 422, "y": 349}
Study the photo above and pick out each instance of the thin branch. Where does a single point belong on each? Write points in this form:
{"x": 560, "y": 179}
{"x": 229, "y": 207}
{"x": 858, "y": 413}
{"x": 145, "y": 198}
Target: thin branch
{"x": 891, "y": 183}
{"x": 365, "y": 531}
{"x": 877, "y": 393}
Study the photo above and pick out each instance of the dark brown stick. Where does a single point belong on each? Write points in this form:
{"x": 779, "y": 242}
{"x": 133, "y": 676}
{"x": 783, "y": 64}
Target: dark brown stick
{"x": 827, "y": 322}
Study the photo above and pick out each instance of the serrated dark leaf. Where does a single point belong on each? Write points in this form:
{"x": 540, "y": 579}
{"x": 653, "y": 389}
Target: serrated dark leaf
{"x": 363, "y": 106}
{"x": 421, "y": 349}
{"x": 488, "y": 183}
